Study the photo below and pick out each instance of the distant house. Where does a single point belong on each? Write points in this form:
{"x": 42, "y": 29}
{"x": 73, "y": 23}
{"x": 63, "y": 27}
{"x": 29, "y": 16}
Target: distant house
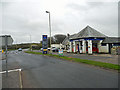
{"x": 66, "y": 41}
{"x": 90, "y": 41}
{"x": 55, "y": 45}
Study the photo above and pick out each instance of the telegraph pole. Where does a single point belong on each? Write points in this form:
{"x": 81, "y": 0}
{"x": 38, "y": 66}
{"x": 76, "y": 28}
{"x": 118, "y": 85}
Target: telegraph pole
{"x": 30, "y": 42}
{"x": 6, "y": 44}
{"x": 16, "y": 44}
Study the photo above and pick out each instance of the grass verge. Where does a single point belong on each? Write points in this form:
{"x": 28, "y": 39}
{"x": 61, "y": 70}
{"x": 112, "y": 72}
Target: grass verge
{"x": 90, "y": 62}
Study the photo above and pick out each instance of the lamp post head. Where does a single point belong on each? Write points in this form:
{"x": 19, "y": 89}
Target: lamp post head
{"x": 47, "y": 12}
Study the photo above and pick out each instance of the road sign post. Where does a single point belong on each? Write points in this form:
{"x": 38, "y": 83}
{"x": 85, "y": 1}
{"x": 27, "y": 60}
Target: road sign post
{"x": 60, "y": 52}
{"x": 6, "y": 44}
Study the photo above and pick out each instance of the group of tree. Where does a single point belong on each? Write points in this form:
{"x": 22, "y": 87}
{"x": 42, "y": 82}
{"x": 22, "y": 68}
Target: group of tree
{"x": 24, "y": 46}
{"x": 56, "y": 39}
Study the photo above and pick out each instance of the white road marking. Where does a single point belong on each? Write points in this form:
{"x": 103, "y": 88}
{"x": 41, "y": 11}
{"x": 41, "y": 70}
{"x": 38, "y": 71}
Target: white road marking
{"x": 11, "y": 71}
{"x": 20, "y": 75}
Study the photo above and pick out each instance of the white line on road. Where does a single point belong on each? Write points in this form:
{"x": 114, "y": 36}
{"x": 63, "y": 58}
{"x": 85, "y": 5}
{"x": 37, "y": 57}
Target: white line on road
{"x": 11, "y": 71}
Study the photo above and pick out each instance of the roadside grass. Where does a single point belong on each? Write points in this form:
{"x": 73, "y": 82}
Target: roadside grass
{"x": 90, "y": 62}
{"x": 11, "y": 49}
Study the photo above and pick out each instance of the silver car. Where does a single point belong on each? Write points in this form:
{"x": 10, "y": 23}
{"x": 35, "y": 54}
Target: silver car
{"x": 20, "y": 49}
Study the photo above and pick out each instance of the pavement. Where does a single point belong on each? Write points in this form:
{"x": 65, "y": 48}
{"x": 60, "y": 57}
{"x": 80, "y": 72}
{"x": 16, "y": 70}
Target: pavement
{"x": 40, "y": 71}
{"x": 0, "y": 74}
{"x": 0, "y": 70}
{"x": 11, "y": 81}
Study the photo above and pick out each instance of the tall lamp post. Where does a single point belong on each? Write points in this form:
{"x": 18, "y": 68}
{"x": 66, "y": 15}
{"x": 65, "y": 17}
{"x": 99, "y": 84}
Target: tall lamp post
{"x": 50, "y": 30}
{"x": 30, "y": 42}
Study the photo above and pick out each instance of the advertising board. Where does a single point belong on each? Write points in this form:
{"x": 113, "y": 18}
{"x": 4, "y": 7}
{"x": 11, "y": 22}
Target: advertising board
{"x": 44, "y": 44}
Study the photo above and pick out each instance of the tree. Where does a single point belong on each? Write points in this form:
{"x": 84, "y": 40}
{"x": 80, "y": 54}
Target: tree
{"x": 59, "y": 38}
{"x": 56, "y": 39}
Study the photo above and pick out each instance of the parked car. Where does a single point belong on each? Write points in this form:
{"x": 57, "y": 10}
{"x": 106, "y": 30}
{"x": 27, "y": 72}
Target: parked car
{"x": 20, "y": 49}
{"x": 68, "y": 51}
{"x": 55, "y": 49}
{"x": 41, "y": 49}
{"x": 48, "y": 49}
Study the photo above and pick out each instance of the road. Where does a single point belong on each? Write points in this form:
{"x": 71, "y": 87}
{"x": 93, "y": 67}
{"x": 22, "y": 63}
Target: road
{"x": 48, "y": 72}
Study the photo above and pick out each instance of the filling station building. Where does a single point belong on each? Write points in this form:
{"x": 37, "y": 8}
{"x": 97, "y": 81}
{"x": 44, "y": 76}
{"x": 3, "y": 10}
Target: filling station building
{"x": 90, "y": 41}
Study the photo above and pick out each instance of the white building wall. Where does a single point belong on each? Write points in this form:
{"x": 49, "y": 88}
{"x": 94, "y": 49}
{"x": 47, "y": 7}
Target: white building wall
{"x": 74, "y": 46}
{"x": 55, "y": 45}
{"x": 80, "y": 48}
{"x": 70, "y": 47}
{"x": 99, "y": 45}
{"x": 83, "y": 46}
{"x": 103, "y": 49}
{"x": 89, "y": 46}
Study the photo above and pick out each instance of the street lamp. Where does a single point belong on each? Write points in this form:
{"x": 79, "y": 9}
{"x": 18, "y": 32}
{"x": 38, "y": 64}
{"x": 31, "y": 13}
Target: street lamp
{"x": 30, "y": 42}
{"x": 50, "y": 30}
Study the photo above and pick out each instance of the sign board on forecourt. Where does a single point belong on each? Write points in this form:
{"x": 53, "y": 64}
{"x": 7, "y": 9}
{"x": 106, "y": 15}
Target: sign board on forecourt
{"x": 44, "y": 44}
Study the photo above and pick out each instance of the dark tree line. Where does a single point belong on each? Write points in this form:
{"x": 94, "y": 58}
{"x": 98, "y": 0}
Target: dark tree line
{"x": 56, "y": 39}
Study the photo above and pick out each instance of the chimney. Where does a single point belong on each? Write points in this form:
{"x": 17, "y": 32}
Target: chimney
{"x": 68, "y": 35}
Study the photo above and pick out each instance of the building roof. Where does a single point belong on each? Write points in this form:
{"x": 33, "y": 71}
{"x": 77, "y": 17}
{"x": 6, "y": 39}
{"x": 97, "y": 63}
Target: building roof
{"x": 66, "y": 40}
{"x": 111, "y": 40}
{"x": 88, "y": 32}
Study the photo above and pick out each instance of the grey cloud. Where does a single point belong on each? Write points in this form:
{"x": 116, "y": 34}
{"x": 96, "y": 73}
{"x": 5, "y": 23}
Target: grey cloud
{"x": 23, "y": 20}
{"x": 77, "y": 7}
{"x": 95, "y": 4}
{"x": 97, "y": 13}
{"x": 85, "y": 7}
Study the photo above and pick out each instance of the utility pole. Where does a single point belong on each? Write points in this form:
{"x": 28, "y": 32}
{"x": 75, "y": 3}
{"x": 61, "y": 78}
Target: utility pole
{"x": 30, "y": 42}
{"x": 16, "y": 44}
{"x": 6, "y": 44}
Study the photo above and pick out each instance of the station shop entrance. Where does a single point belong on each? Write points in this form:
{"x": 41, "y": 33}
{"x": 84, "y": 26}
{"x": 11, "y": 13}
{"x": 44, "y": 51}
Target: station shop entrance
{"x": 94, "y": 46}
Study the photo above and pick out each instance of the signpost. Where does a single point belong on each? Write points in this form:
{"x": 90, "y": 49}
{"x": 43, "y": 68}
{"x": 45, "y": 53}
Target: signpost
{"x": 44, "y": 44}
{"x": 60, "y": 52}
{"x": 6, "y": 44}
{"x": 6, "y": 40}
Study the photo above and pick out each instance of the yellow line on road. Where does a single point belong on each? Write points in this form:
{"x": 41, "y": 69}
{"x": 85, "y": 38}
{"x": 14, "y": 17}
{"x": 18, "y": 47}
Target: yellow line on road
{"x": 20, "y": 78}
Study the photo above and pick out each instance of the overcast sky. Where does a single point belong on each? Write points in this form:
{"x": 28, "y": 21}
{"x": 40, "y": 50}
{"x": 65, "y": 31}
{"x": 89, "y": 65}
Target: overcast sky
{"x": 22, "y": 18}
